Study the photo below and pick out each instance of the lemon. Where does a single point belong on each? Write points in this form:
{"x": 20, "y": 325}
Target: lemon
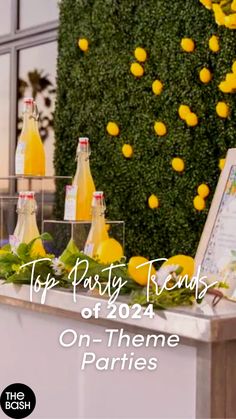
{"x": 222, "y": 109}
{"x": 140, "y": 54}
{"x": 187, "y": 44}
{"x": 191, "y": 119}
{"x": 203, "y": 190}
{"x": 214, "y": 43}
{"x": 139, "y": 275}
{"x": 234, "y": 67}
{"x": 136, "y": 69}
{"x": 219, "y": 14}
{"x": 83, "y": 44}
{"x": 221, "y": 164}
{"x": 206, "y": 3}
{"x": 127, "y": 150}
{"x": 178, "y": 164}
{"x": 109, "y": 250}
{"x": 37, "y": 249}
{"x": 153, "y": 201}
{"x": 157, "y": 87}
{"x": 225, "y": 87}
{"x": 233, "y": 6}
{"x": 183, "y": 111}
{"x": 113, "y": 129}
{"x": 186, "y": 262}
{"x": 160, "y": 128}
{"x": 231, "y": 80}
{"x": 199, "y": 203}
{"x": 205, "y": 75}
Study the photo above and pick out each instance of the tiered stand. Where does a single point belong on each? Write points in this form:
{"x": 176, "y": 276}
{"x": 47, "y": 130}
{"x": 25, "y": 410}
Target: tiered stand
{"x": 61, "y": 231}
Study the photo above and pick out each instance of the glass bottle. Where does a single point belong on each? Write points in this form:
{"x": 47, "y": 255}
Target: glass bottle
{"x": 30, "y": 154}
{"x": 79, "y": 195}
{"x": 98, "y": 231}
{"x": 28, "y": 229}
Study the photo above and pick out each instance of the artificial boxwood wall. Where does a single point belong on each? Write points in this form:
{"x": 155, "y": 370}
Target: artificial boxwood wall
{"x": 97, "y": 86}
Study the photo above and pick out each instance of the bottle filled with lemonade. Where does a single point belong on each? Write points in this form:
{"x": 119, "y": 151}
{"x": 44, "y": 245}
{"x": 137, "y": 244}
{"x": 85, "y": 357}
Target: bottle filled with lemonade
{"x": 26, "y": 228}
{"x": 19, "y": 210}
{"x": 98, "y": 232}
{"x": 30, "y": 154}
{"x": 79, "y": 195}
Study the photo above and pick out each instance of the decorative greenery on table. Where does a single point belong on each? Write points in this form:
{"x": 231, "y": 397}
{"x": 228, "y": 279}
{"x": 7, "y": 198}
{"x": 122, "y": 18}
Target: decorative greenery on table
{"x": 12, "y": 271}
{"x": 96, "y": 87}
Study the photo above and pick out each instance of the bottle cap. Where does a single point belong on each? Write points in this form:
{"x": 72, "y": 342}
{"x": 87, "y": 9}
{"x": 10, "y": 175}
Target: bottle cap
{"x": 98, "y": 199}
{"x": 28, "y": 104}
{"x": 29, "y": 195}
{"x": 83, "y": 140}
{"x": 83, "y": 145}
{"x": 98, "y": 195}
{"x": 22, "y": 194}
{"x": 28, "y": 100}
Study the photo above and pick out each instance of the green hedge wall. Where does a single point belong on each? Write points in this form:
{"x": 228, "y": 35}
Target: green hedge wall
{"x": 97, "y": 86}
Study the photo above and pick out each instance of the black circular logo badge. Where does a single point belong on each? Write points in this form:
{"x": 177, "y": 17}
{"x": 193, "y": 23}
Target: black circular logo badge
{"x": 17, "y": 401}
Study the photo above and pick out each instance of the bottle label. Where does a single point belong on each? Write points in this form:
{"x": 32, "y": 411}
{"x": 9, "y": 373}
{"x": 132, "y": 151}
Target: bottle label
{"x": 70, "y": 203}
{"x": 88, "y": 250}
{"x": 20, "y": 159}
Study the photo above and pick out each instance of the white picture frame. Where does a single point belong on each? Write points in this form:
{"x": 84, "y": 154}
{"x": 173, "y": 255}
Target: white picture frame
{"x": 215, "y": 253}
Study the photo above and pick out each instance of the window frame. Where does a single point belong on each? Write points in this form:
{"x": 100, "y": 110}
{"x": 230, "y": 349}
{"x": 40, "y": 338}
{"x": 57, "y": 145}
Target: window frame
{"x": 11, "y": 43}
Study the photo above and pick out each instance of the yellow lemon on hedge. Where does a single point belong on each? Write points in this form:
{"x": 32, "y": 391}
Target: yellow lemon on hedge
{"x": 207, "y": 3}
{"x": 231, "y": 80}
{"x": 225, "y": 87}
{"x": 221, "y": 164}
{"x": 157, "y": 87}
{"x": 205, "y": 75}
{"x": 187, "y": 44}
{"x": 233, "y": 6}
{"x": 127, "y": 150}
{"x": 203, "y": 190}
{"x": 186, "y": 262}
{"x": 219, "y": 14}
{"x": 234, "y": 67}
{"x": 191, "y": 119}
{"x": 183, "y": 111}
{"x": 230, "y": 21}
{"x": 199, "y": 203}
{"x": 140, "y": 54}
{"x": 160, "y": 128}
{"x": 153, "y": 201}
{"x": 214, "y": 43}
{"x": 113, "y": 129}
{"x": 139, "y": 275}
{"x": 178, "y": 164}
{"x": 222, "y": 109}
{"x": 83, "y": 44}
{"x": 136, "y": 69}
{"x": 108, "y": 251}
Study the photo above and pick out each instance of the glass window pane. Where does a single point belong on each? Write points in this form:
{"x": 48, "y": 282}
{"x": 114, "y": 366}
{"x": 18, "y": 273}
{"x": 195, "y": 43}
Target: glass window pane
{"x": 4, "y": 117}
{"x": 5, "y": 17}
{"x": 37, "y": 78}
{"x": 36, "y": 12}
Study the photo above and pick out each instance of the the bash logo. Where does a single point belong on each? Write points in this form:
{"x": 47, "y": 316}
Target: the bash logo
{"x": 17, "y": 401}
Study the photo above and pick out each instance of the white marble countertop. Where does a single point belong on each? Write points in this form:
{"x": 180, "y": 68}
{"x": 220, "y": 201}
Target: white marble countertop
{"x": 199, "y": 322}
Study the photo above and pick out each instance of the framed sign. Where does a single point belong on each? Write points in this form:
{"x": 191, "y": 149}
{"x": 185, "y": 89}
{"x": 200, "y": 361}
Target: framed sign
{"x": 216, "y": 253}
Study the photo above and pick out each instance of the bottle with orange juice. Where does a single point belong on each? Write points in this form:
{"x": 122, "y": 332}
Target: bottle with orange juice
{"x": 30, "y": 154}
{"x": 79, "y": 195}
{"x": 26, "y": 228}
{"x": 98, "y": 232}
